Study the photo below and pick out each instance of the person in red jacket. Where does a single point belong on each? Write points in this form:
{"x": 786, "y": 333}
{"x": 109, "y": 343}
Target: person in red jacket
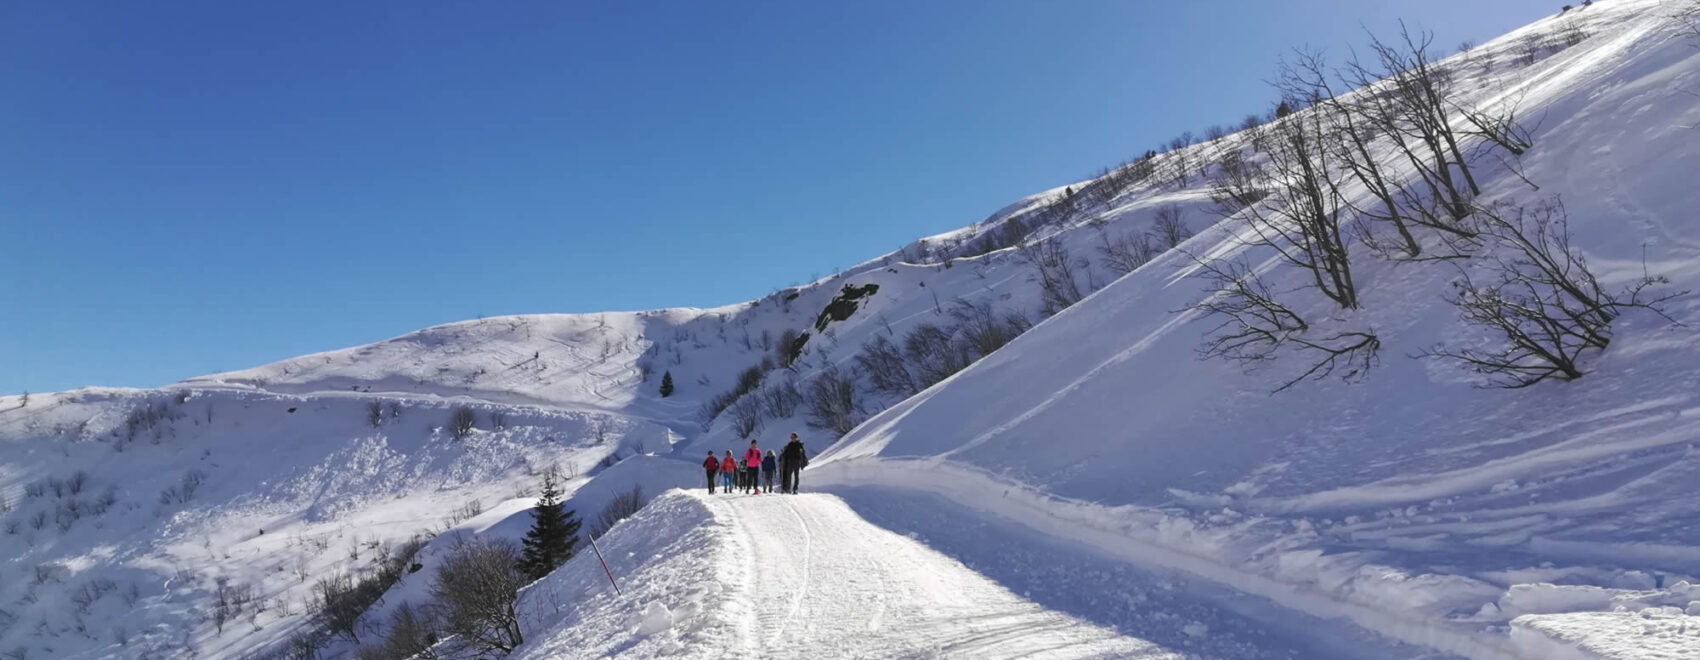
{"x": 728, "y": 468}
{"x": 752, "y": 467}
{"x": 713, "y": 466}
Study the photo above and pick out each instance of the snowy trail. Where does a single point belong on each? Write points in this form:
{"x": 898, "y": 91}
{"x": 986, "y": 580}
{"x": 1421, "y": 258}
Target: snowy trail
{"x": 822, "y": 581}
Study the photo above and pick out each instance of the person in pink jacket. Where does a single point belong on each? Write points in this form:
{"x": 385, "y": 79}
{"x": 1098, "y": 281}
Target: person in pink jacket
{"x": 752, "y": 464}
{"x": 728, "y": 468}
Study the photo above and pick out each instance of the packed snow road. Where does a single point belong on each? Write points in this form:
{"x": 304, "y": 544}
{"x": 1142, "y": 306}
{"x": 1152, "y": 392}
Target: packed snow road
{"x": 808, "y": 576}
{"x": 824, "y": 582}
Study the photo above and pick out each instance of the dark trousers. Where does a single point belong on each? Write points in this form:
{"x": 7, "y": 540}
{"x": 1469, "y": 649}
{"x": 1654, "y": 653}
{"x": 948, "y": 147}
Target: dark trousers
{"x": 711, "y": 475}
{"x": 788, "y": 477}
{"x": 767, "y": 477}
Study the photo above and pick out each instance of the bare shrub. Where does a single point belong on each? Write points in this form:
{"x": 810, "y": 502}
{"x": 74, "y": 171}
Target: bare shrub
{"x": 1169, "y": 227}
{"x": 230, "y": 601}
{"x": 375, "y": 414}
{"x": 934, "y": 355}
{"x": 74, "y": 484}
{"x": 185, "y": 490}
{"x": 1056, "y": 271}
{"x": 475, "y": 591}
{"x": 781, "y": 399}
{"x": 340, "y": 605}
{"x": 341, "y": 599}
{"x": 884, "y": 364}
{"x": 623, "y": 506}
{"x": 748, "y": 380}
{"x": 464, "y": 512}
{"x": 1686, "y": 17}
{"x": 746, "y": 416}
{"x": 982, "y": 331}
{"x": 412, "y": 634}
{"x": 462, "y": 421}
{"x": 1126, "y": 253}
{"x": 1542, "y": 303}
{"x": 1253, "y": 327}
{"x": 832, "y": 400}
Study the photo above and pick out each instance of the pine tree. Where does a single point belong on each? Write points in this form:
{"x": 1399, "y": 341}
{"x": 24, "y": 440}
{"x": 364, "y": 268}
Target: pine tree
{"x": 553, "y": 538}
{"x": 666, "y": 384}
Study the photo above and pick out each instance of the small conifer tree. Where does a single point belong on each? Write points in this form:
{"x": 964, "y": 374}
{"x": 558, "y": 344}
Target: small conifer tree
{"x": 666, "y": 384}
{"x": 553, "y": 538}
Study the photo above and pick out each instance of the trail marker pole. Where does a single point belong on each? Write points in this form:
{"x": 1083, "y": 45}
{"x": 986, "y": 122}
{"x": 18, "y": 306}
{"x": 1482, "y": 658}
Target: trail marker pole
{"x": 605, "y": 567}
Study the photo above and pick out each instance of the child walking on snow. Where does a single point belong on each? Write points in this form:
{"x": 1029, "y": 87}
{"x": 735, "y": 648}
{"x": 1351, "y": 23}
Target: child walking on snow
{"x": 728, "y": 469}
{"x": 769, "y": 465}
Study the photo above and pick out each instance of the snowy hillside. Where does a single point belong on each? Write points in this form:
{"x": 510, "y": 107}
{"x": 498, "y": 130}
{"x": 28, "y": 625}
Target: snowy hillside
{"x": 1035, "y": 457}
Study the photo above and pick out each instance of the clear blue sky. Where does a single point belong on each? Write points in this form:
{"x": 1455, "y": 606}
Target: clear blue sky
{"x": 195, "y": 187}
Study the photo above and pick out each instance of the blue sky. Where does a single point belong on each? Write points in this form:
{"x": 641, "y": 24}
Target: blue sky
{"x": 190, "y": 187}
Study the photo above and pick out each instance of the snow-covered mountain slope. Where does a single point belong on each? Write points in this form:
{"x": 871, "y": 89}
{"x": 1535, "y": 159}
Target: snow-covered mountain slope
{"x": 126, "y": 511}
{"x": 1409, "y": 502}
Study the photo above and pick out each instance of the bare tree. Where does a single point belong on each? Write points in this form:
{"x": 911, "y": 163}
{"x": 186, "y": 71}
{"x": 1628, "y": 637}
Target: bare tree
{"x": 1253, "y": 327}
{"x": 1406, "y": 99}
{"x": 1056, "y": 271}
{"x": 1542, "y": 302}
{"x": 1169, "y": 227}
{"x": 475, "y": 590}
{"x": 1350, "y": 136}
{"x": 1500, "y": 124}
{"x": 883, "y": 361}
{"x": 1298, "y": 214}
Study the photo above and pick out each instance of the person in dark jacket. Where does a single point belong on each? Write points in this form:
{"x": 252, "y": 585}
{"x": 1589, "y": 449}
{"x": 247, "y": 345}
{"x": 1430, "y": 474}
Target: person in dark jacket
{"x": 769, "y": 465}
{"x": 791, "y": 463}
{"x": 713, "y": 466}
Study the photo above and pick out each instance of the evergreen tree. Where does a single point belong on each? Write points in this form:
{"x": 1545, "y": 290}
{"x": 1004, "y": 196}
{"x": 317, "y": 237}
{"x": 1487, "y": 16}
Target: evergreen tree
{"x": 666, "y": 384}
{"x": 553, "y": 538}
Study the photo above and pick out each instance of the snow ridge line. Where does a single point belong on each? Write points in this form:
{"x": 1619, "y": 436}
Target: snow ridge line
{"x": 1139, "y": 538}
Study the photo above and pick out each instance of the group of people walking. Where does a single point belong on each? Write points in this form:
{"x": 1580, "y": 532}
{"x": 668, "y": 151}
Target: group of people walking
{"x": 754, "y": 472}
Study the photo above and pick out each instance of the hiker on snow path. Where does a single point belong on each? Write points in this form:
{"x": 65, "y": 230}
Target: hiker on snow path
{"x": 792, "y": 461}
{"x": 713, "y": 466}
{"x": 769, "y": 465}
{"x": 728, "y": 468}
{"x": 752, "y": 466}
